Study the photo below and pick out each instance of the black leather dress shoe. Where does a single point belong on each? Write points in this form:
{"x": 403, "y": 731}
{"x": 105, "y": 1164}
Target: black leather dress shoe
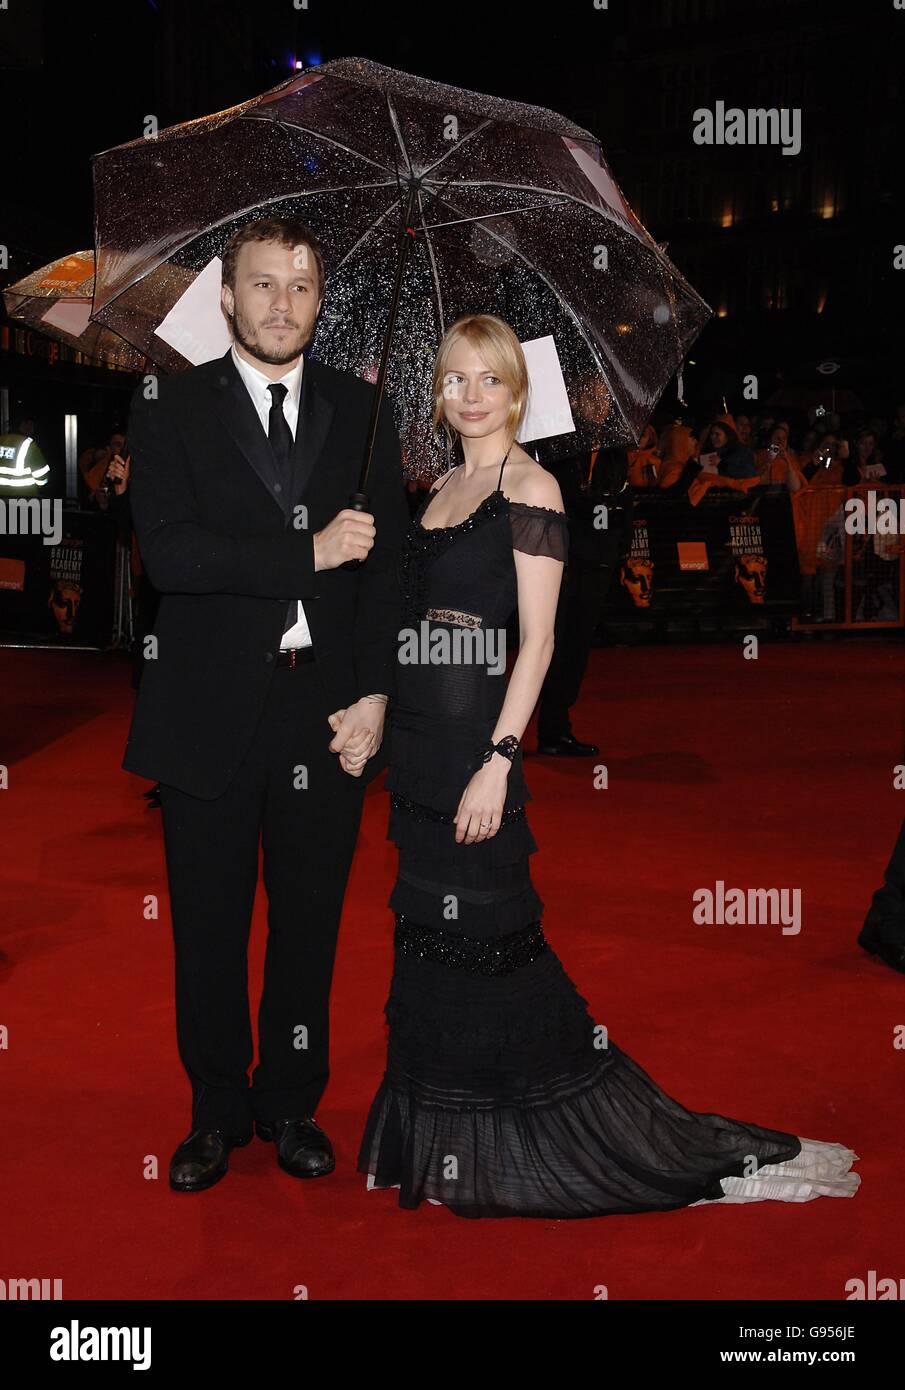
{"x": 203, "y": 1159}
{"x": 566, "y": 746}
{"x": 303, "y": 1148}
{"x": 884, "y": 937}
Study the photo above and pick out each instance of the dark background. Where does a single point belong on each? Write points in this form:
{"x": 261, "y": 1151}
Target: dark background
{"x": 794, "y": 254}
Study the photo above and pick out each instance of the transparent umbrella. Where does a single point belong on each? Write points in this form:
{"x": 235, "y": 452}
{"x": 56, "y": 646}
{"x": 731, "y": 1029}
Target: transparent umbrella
{"x": 430, "y": 201}
{"x": 57, "y": 300}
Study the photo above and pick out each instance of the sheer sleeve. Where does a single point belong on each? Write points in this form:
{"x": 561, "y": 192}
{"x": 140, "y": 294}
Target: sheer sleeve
{"x": 539, "y": 530}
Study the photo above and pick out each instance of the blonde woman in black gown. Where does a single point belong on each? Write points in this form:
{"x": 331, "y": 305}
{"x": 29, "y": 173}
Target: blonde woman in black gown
{"x": 501, "y": 1097}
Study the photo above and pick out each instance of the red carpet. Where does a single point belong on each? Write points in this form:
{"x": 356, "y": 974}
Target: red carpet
{"x": 774, "y": 773}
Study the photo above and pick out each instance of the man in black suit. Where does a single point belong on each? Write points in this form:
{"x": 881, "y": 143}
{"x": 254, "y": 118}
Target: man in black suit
{"x": 265, "y": 685}
{"x": 595, "y": 494}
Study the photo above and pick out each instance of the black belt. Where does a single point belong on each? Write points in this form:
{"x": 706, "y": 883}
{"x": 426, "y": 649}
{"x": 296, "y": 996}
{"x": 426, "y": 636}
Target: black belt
{"x": 294, "y": 656}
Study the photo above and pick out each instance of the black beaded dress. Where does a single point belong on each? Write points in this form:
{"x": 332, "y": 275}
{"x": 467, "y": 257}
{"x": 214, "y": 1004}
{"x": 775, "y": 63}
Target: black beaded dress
{"x": 501, "y": 1097}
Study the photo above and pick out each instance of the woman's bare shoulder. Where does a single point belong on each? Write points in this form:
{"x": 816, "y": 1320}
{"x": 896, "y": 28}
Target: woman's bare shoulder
{"x": 527, "y": 482}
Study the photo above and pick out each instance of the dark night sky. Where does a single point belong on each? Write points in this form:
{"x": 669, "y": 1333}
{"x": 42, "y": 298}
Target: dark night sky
{"x": 107, "y": 64}
{"x": 102, "y": 60}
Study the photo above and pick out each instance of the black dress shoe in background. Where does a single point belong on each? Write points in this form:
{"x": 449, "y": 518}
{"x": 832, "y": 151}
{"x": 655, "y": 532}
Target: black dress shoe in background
{"x": 303, "y": 1148}
{"x": 883, "y": 935}
{"x": 203, "y": 1159}
{"x": 566, "y": 746}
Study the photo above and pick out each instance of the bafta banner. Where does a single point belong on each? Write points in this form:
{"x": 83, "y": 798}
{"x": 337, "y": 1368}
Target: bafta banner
{"x": 57, "y": 580}
{"x": 731, "y": 557}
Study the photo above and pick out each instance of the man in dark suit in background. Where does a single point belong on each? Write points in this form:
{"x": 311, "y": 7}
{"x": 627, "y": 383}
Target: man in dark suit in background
{"x": 599, "y": 506}
{"x": 264, "y": 688}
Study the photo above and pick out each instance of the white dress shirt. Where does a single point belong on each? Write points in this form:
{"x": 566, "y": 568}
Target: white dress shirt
{"x": 299, "y": 635}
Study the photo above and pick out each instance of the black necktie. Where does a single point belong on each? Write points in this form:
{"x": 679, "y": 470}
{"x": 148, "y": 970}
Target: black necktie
{"x": 280, "y": 436}
{"x": 278, "y": 431}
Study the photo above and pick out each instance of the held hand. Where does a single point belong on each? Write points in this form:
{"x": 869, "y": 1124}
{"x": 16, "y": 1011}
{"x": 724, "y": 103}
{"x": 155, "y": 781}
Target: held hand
{"x": 358, "y": 733}
{"x": 480, "y": 810}
{"x": 349, "y": 536}
{"x": 354, "y": 756}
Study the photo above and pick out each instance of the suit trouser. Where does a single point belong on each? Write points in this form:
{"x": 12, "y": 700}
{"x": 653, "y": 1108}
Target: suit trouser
{"x": 885, "y": 921}
{"x": 291, "y": 796}
{"x": 578, "y": 613}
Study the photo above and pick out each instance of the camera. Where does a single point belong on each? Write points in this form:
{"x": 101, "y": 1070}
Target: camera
{"x": 108, "y": 485}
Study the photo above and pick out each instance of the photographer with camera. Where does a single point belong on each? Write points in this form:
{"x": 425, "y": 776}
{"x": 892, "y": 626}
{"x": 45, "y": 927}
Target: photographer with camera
{"x": 826, "y": 466}
{"x": 777, "y": 463}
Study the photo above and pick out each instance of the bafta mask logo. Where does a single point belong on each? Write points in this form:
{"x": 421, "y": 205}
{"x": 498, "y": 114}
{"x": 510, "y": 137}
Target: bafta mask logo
{"x": 64, "y": 604}
{"x": 638, "y": 578}
{"x": 751, "y": 573}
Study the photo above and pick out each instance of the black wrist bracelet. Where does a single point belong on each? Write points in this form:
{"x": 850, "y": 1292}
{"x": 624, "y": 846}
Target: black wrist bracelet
{"x": 507, "y": 748}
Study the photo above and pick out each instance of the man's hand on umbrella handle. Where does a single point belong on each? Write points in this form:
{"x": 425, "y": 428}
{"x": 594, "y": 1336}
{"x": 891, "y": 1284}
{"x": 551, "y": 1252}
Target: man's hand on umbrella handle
{"x": 349, "y": 536}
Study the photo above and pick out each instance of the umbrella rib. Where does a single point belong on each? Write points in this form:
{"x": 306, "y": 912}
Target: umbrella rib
{"x": 456, "y": 146}
{"x": 231, "y": 217}
{"x": 352, "y": 249}
{"x": 565, "y": 303}
{"x": 486, "y": 216}
{"x": 562, "y": 193}
{"x": 364, "y": 236}
{"x": 652, "y": 245}
{"x": 394, "y": 122}
{"x": 319, "y": 135}
{"x": 433, "y": 264}
{"x": 439, "y": 292}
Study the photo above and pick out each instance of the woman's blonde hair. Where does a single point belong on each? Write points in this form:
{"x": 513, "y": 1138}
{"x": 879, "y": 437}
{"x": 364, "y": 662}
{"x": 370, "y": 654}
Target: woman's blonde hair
{"x": 500, "y": 349}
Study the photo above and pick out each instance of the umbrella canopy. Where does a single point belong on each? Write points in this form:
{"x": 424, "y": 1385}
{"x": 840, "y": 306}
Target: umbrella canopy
{"x": 514, "y": 213}
{"x": 57, "y": 300}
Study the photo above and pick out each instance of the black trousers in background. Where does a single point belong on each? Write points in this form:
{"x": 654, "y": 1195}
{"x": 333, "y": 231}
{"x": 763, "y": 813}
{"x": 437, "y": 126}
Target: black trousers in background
{"x": 308, "y": 836}
{"x": 582, "y": 596}
{"x": 144, "y": 615}
{"x": 884, "y": 926}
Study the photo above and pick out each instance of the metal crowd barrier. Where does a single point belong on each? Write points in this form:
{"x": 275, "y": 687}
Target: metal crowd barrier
{"x": 850, "y": 578}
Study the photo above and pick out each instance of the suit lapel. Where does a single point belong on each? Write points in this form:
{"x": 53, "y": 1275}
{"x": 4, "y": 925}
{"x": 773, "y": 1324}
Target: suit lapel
{"x": 241, "y": 419}
{"x": 315, "y": 417}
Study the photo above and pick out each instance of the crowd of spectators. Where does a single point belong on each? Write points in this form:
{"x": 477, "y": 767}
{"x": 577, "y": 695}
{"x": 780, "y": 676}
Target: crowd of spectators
{"x": 745, "y": 450}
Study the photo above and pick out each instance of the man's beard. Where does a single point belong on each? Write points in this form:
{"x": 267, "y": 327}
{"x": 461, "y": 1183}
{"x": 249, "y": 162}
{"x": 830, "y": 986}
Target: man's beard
{"x": 243, "y": 330}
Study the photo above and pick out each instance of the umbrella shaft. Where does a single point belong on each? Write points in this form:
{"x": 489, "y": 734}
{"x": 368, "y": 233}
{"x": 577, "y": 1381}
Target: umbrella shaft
{"x": 404, "y": 242}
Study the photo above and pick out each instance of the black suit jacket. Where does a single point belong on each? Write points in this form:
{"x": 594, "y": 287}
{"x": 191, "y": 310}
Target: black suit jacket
{"x": 227, "y": 548}
{"x": 590, "y": 545}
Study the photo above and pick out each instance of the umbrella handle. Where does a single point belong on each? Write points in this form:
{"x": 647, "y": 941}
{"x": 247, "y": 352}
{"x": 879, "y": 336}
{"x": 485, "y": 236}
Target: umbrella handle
{"x": 358, "y": 502}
